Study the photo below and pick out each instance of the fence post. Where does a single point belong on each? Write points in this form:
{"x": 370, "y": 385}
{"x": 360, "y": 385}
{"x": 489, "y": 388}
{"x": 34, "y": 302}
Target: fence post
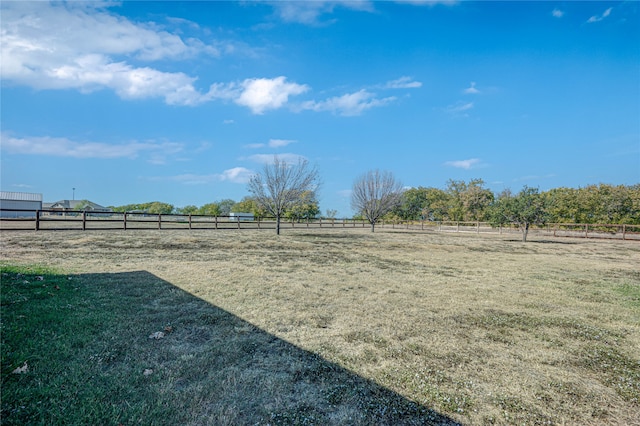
{"x": 37, "y": 220}
{"x": 457, "y": 226}
{"x": 159, "y": 221}
{"x": 124, "y": 221}
{"x": 320, "y": 222}
{"x": 258, "y": 218}
{"x": 189, "y": 222}
{"x": 586, "y": 230}
{"x": 478, "y": 227}
{"x": 84, "y": 220}
{"x": 624, "y": 232}
{"x": 293, "y": 225}
{"x": 215, "y": 218}
{"x": 238, "y": 219}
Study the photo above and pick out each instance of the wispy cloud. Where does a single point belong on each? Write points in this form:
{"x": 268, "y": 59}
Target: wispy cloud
{"x": 459, "y": 109}
{"x": 279, "y": 143}
{"x": 557, "y": 13}
{"x": 403, "y": 83}
{"x": 464, "y": 164}
{"x": 350, "y": 104}
{"x": 598, "y": 18}
{"x": 273, "y": 143}
{"x": 310, "y": 12}
{"x": 471, "y": 90}
{"x": 234, "y": 175}
{"x": 63, "y": 147}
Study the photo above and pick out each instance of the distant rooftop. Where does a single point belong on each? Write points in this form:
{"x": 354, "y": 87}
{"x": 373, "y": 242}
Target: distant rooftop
{"x": 20, "y": 196}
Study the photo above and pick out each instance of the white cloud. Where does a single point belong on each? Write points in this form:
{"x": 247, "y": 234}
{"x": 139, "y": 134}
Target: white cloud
{"x": 598, "y": 18}
{"x": 557, "y": 13}
{"x": 258, "y": 94}
{"x": 471, "y": 90}
{"x": 403, "y": 83}
{"x": 279, "y": 143}
{"x": 288, "y": 158}
{"x": 234, "y": 175}
{"x": 348, "y": 105}
{"x": 309, "y": 12}
{"x": 459, "y": 109}
{"x": 63, "y": 147}
{"x": 464, "y": 164}
{"x": 73, "y": 45}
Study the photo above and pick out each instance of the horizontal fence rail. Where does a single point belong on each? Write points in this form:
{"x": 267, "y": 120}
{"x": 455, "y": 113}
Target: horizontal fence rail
{"x": 55, "y": 220}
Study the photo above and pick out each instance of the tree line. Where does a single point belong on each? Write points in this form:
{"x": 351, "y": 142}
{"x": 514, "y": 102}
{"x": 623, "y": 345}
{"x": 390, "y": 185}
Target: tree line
{"x": 288, "y": 191}
{"x": 472, "y": 201}
{"x": 459, "y": 201}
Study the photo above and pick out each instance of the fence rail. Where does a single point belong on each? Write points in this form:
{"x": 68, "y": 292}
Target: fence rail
{"x": 55, "y": 220}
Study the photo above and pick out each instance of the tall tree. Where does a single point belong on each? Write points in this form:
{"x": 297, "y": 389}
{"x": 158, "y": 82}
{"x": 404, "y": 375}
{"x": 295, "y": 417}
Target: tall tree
{"x": 476, "y": 199}
{"x": 375, "y": 194}
{"x": 281, "y": 185}
{"x": 524, "y": 209}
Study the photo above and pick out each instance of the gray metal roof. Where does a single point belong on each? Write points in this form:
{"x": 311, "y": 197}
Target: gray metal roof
{"x": 20, "y": 196}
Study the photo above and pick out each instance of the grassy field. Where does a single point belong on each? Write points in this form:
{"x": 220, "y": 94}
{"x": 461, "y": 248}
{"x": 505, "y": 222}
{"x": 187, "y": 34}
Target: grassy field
{"x": 318, "y": 327}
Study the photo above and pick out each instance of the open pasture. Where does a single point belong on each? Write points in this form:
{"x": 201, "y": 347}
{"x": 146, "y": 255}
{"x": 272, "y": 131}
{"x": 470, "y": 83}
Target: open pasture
{"x": 320, "y": 327}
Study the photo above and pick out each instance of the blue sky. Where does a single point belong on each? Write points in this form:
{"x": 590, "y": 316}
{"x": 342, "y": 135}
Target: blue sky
{"x": 181, "y": 102}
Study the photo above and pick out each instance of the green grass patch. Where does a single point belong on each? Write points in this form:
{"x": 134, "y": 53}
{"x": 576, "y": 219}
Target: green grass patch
{"x": 76, "y": 349}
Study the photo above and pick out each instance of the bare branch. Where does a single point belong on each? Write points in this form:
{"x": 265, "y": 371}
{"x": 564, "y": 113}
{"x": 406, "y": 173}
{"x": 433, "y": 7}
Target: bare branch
{"x": 281, "y": 185}
{"x": 375, "y": 194}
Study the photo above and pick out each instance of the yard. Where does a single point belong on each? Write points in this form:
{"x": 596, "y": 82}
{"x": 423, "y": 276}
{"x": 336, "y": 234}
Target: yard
{"x": 318, "y": 327}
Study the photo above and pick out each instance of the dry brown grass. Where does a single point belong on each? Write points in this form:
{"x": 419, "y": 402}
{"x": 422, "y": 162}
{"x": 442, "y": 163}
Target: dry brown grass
{"x": 484, "y": 329}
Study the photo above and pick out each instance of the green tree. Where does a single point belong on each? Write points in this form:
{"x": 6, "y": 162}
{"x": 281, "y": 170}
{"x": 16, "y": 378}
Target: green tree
{"x": 412, "y": 205}
{"x": 476, "y": 200}
{"x": 436, "y": 207}
{"x": 524, "y": 209}
{"x": 249, "y": 205}
{"x": 190, "y": 209}
{"x": 305, "y": 208}
{"x": 563, "y": 205}
{"x": 156, "y": 207}
{"x": 210, "y": 209}
{"x": 455, "y": 208}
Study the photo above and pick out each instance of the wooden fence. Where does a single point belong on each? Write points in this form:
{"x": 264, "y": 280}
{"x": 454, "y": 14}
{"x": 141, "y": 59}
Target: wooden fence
{"x": 54, "y": 220}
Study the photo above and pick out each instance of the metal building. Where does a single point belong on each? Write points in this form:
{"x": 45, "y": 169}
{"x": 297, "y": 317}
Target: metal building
{"x": 10, "y": 202}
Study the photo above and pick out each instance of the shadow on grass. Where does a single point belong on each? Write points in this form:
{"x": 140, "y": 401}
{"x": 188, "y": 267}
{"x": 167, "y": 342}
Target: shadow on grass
{"x": 92, "y": 360}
